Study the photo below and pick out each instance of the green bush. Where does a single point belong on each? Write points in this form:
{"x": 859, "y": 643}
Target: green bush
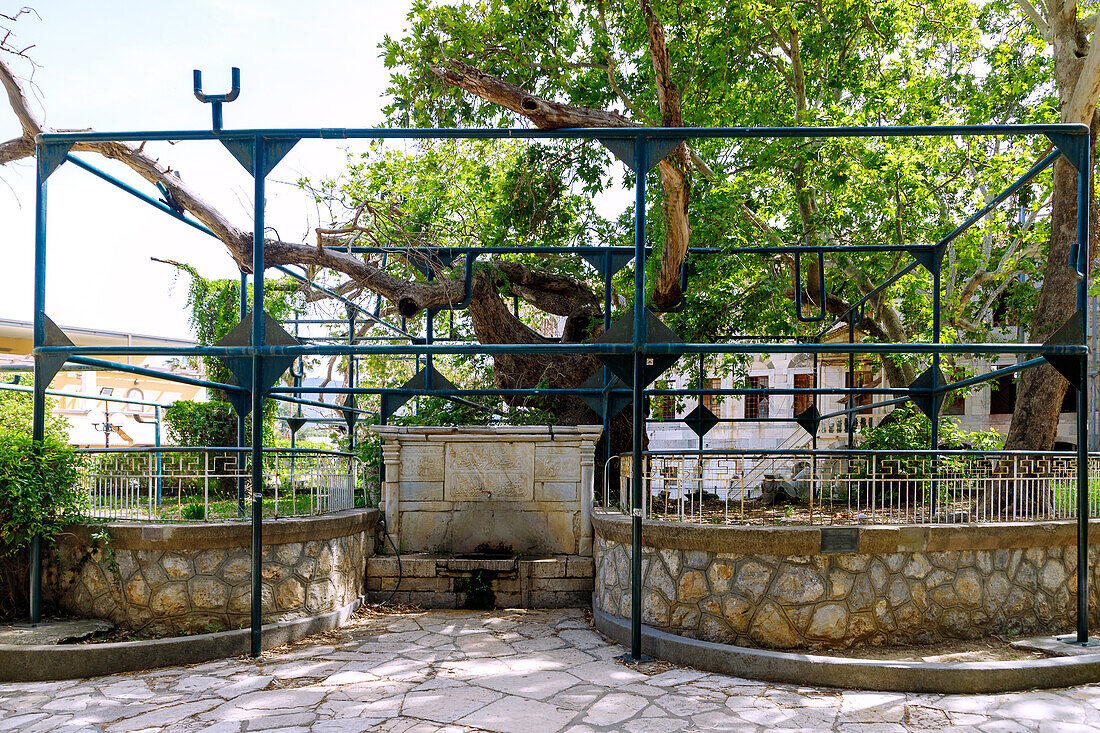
{"x": 201, "y": 423}
{"x": 194, "y": 512}
{"x": 906, "y": 428}
{"x": 38, "y": 490}
{"x": 16, "y": 410}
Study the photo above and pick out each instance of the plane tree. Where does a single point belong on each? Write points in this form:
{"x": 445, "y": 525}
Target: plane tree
{"x": 687, "y": 63}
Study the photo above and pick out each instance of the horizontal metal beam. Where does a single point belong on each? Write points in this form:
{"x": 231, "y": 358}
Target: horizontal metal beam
{"x": 96, "y": 397}
{"x": 849, "y": 452}
{"x": 540, "y": 392}
{"x": 592, "y": 348}
{"x": 587, "y": 133}
{"x": 142, "y": 371}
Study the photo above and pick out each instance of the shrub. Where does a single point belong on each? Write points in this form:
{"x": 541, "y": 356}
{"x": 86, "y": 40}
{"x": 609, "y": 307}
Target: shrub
{"x": 38, "y": 496}
{"x": 193, "y": 511}
{"x": 38, "y": 489}
{"x": 201, "y": 423}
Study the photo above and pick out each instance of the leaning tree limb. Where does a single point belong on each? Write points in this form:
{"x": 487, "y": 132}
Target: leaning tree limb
{"x": 550, "y": 115}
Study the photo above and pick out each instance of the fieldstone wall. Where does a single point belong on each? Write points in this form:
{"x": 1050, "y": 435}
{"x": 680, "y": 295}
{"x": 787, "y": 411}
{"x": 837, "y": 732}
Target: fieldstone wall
{"x": 777, "y": 588}
{"x": 521, "y": 489}
{"x": 194, "y": 576}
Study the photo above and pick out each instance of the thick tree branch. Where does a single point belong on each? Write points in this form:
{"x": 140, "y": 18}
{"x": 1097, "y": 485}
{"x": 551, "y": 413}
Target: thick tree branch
{"x": 546, "y": 114}
{"x": 18, "y": 100}
{"x": 674, "y": 169}
{"x": 550, "y": 115}
{"x": 1036, "y": 19}
{"x": 550, "y": 292}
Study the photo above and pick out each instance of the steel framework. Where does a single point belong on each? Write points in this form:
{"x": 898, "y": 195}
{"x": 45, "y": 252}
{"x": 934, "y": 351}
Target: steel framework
{"x": 635, "y": 349}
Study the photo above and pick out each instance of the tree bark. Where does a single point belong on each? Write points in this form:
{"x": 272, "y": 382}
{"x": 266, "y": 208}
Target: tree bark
{"x": 1077, "y": 77}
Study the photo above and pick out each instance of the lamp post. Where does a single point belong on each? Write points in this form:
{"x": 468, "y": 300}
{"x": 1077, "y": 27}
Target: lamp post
{"x": 101, "y": 421}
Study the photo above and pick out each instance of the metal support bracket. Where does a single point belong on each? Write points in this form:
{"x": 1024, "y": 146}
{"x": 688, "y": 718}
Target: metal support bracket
{"x": 622, "y": 331}
{"x": 798, "y": 288}
{"x": 50, "y": 156}
{"x": 809, "y": 419}
{"x": 700, "y": 420}
{"x": 926, "y": 391}
{"x": 351, "y": 412}
{"x": 240, "y": 367}
{"x": 391, "y": 402}
{"x": 607, "y": 263}
{"x": 274, "y": 151}
{"x": 1074, "y": 148}
{"x": 215, "y": 100}
{"x": 1070, "y": 334}
{"x": 47, "y": 367}
{"x": 623, "y": 149}
{"x": 616, "y": 403}
{"x": 430, "y": 259}
{"x": 929, "y": 258}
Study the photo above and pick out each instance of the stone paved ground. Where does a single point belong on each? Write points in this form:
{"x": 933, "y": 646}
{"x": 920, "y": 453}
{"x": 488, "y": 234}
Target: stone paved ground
{"x": 523, "y": 671}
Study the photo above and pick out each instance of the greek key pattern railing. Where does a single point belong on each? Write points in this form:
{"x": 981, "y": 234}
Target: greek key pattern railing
{"x": 203, "y": 484}
{"x": 834, "y": 487}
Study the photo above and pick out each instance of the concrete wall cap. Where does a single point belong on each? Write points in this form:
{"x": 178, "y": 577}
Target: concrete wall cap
{"x": 221, "y": 535}
{"x": 806, "y": 540}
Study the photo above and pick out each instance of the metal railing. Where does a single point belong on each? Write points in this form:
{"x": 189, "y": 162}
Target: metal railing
{"x": 839, "y": 425}
{"x": 173, "y": 484}
{"x": 859, "y": 487}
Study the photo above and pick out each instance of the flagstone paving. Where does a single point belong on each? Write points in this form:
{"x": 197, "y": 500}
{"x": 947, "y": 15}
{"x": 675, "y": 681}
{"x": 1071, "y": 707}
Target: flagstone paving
{"x": 508, "y": 671}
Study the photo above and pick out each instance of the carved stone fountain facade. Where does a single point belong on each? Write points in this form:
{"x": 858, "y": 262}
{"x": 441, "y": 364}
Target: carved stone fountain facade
{"x": 522, "y": 493}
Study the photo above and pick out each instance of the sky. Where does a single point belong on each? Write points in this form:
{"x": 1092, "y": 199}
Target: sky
{"x": 114, "y": 66}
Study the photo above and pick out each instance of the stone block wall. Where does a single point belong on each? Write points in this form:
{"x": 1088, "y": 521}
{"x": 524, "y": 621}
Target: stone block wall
{"x": 774, "y": 587}
{"x": 193, "y": 576}
{"x": 522, "y": 489}
{"x": 432, "y": 581}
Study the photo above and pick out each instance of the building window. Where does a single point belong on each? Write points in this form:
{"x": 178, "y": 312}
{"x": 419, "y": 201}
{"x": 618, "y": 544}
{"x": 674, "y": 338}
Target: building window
{"x": 1002, "y": 397}
{"x": 802, "y": 402}
{"x": 663, "y": 406}
{"x": 710, "y": 401}
{"x": 865, "y": 379}
{"x": 756, "y": 405}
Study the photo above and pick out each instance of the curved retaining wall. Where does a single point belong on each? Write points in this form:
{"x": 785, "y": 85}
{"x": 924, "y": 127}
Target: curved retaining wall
{"x": 186, "y": 577}
{"x": 785, "y": 588}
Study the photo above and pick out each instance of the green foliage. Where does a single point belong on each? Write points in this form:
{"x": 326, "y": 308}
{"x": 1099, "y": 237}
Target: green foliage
{"x": 17, "y": 412}
{"x": 864, "y": 63}
{"x": 38, "y": 489}
{"x": 215, "y": 310}
{"x": 195, "y": 512}
{"x": 907, "y": 428}
{"x": 201, "y": 423}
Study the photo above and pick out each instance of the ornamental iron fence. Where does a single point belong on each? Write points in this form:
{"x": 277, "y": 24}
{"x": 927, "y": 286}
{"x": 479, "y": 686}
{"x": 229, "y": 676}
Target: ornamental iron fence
{"x": 858, "y": 487}
{"x": 204, "y": 484}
